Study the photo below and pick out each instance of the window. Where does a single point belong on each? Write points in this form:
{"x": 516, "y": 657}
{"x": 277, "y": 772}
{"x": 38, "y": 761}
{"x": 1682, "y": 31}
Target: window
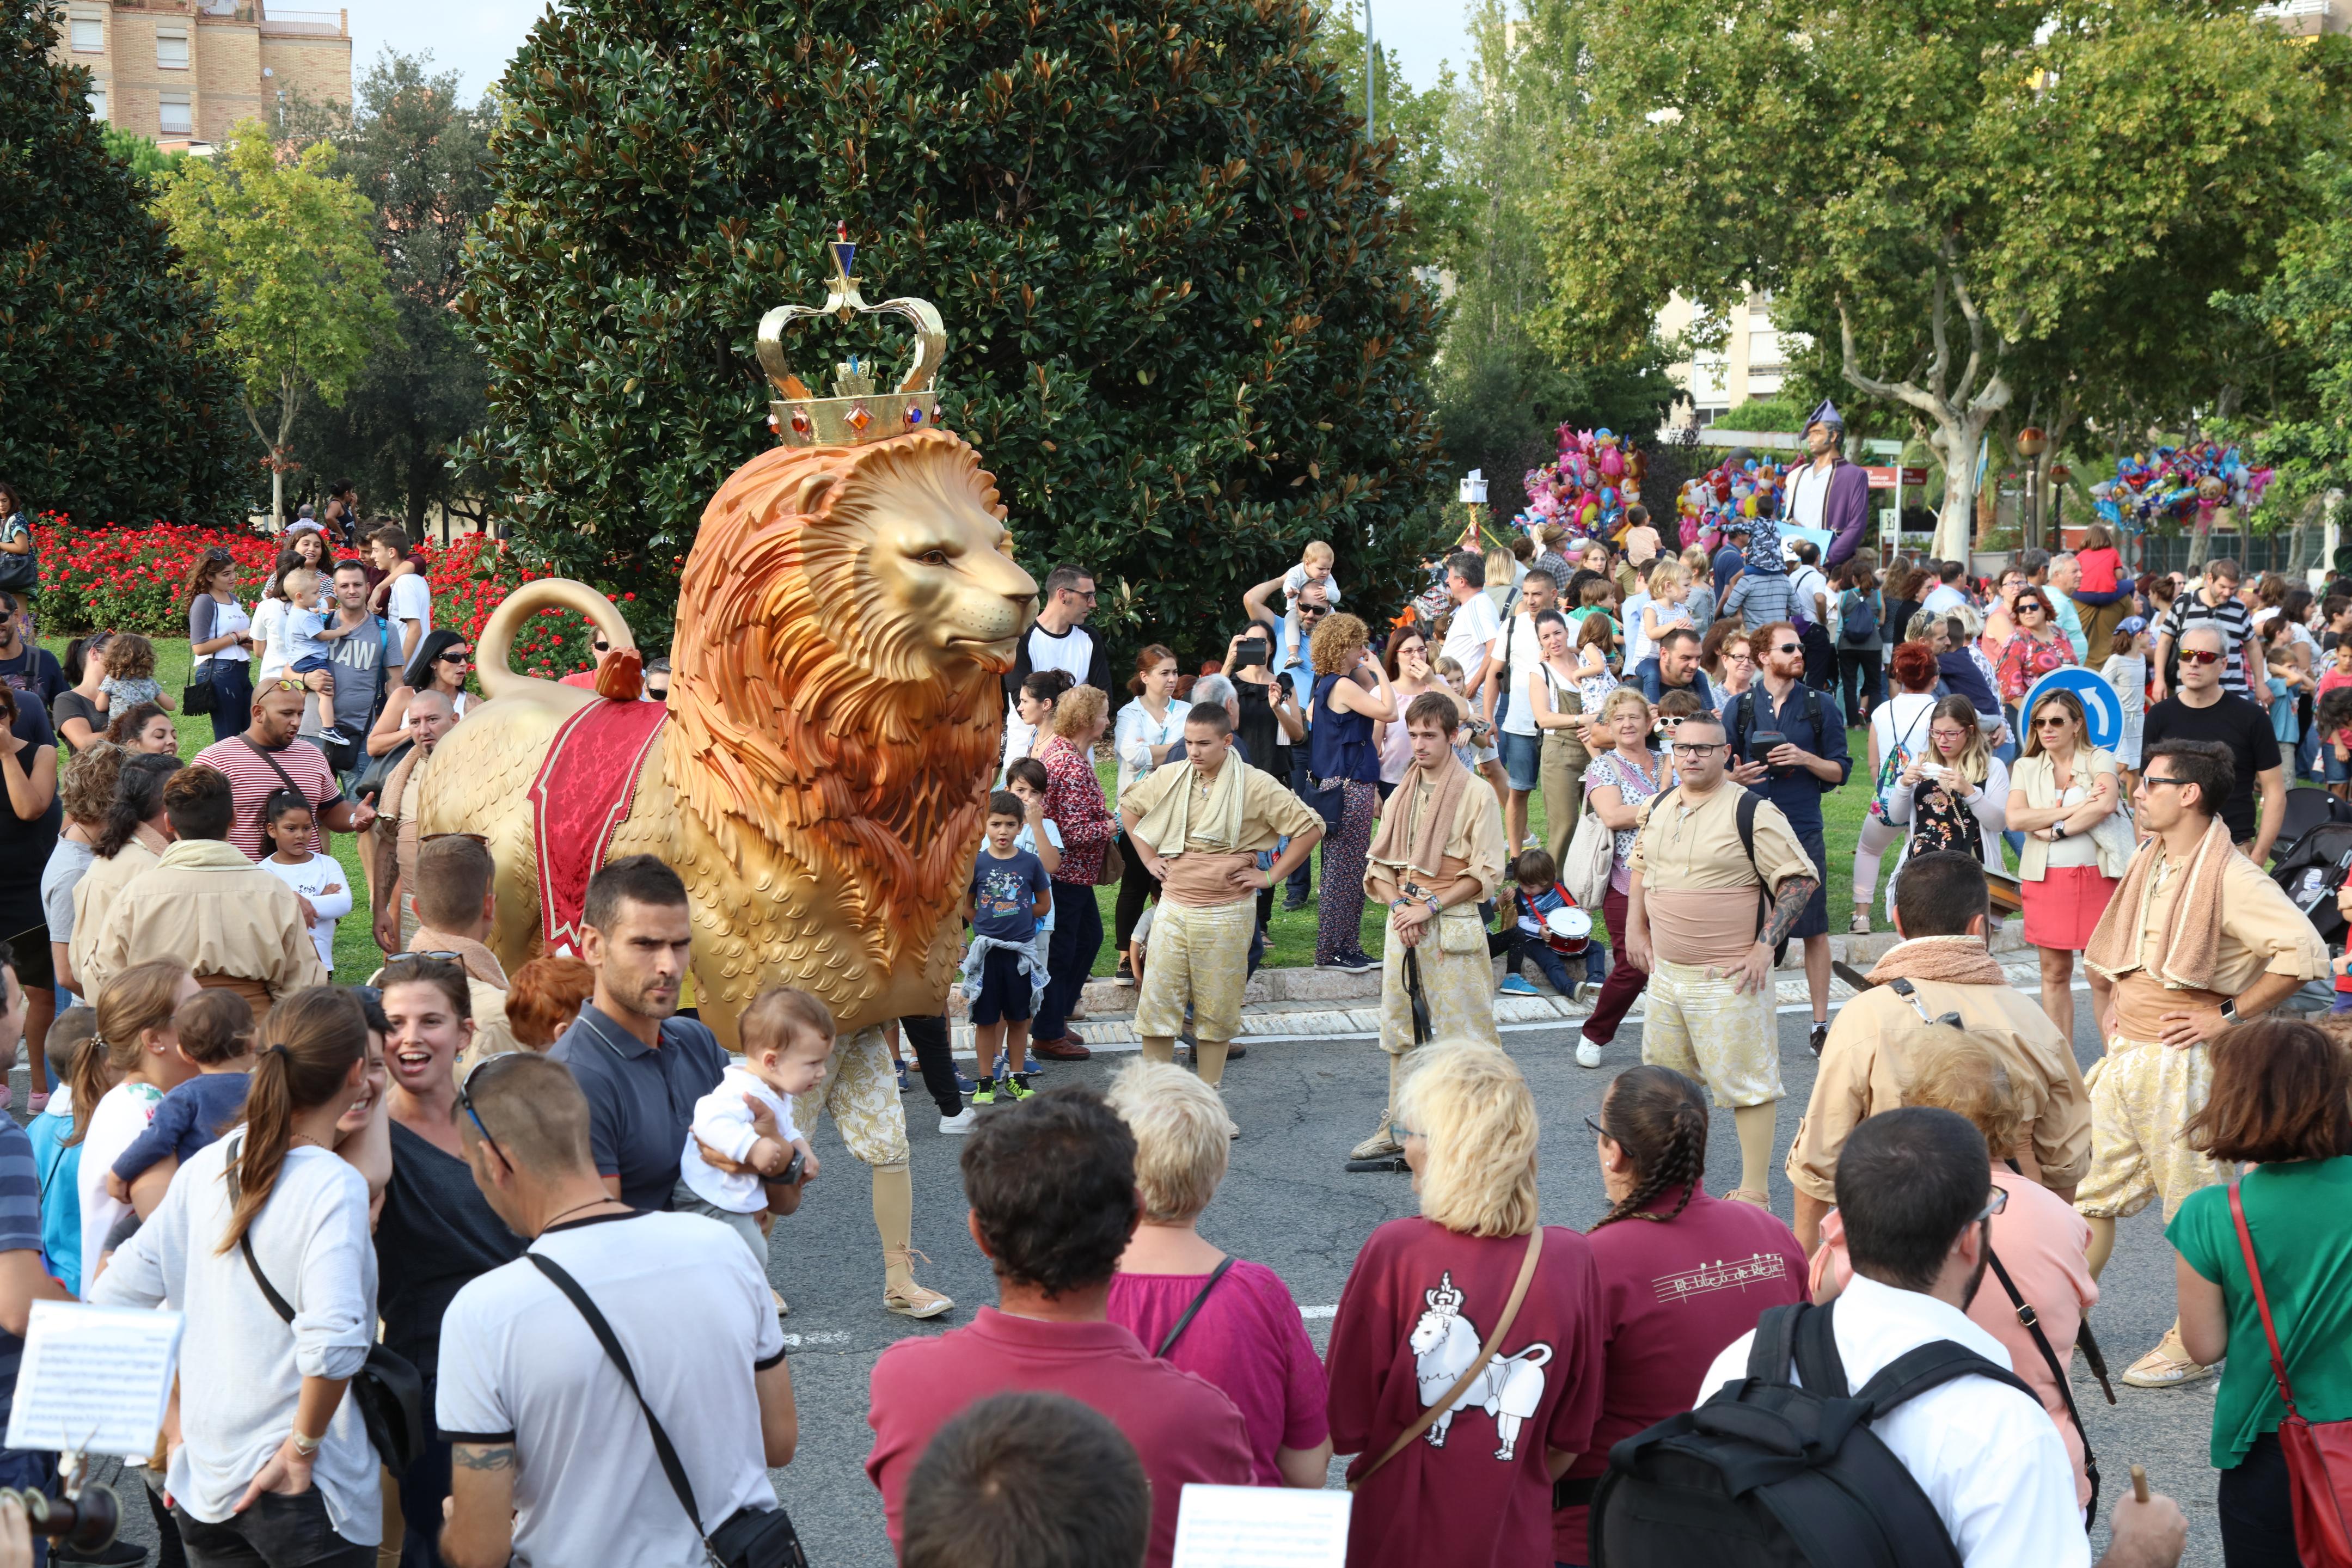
{"x": 171, "y": 112}
{"x": 97, "y": 104}
{"x": 170, "y": 50}
{"x": 89, "y": 35}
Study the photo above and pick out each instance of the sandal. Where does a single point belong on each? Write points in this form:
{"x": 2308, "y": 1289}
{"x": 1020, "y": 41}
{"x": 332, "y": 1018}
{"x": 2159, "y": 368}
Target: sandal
{"x": 1750, "y": 1196}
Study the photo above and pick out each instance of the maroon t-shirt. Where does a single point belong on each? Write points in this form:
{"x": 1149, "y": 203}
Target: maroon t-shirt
{"x": 1183, "y": 1429}
{"x": 1473, "y": 1492}
{"x": 1672, "y": 1296}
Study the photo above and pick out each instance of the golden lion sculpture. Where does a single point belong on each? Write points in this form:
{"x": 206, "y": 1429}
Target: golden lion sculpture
{"x": 835, "y": 713}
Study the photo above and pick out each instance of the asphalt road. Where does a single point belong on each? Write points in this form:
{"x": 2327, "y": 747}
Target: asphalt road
{"x": 1288, "y": 1203}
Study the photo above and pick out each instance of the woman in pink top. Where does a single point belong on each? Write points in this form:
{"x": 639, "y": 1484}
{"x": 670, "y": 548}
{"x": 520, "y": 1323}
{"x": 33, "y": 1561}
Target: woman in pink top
{"x": 1683, "y": 1274}
{"x": 1229, "y": 1321}
{"x": 2036, "y": 1236}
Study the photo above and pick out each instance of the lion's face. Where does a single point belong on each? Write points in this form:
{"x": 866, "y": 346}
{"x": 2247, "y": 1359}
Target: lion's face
{"x": 911, "y": 565}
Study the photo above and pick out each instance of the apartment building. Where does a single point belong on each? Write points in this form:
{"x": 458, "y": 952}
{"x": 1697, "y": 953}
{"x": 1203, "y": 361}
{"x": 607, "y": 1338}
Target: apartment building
{"x": 182, "y": 71}
{"x": 1752, "y": 362}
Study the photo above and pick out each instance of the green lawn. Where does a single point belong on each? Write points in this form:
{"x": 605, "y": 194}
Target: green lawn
{"x": 1291, "y": 940}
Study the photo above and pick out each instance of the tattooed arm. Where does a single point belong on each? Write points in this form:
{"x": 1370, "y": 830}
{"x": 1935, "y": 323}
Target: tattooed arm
{"x": 480, "y": 1507}
{"x": 1754, "y": 971}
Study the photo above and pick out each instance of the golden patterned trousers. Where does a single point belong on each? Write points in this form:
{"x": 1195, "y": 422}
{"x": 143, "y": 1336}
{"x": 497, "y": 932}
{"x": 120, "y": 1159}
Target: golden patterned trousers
{"x": 1711, "y": 1030}
{"x": 1458, "y": 986}
{"x": 1196, "y": 955}
{"x": 2142, "y": 1094}
{"x": 861, "y": 1094}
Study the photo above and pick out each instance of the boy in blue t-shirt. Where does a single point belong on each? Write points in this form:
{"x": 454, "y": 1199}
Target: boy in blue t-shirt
{"x": 1005, "y": 967}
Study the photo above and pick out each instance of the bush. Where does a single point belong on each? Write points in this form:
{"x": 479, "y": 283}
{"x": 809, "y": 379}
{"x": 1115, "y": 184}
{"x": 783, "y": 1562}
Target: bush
{"x": 1181, "y": 326}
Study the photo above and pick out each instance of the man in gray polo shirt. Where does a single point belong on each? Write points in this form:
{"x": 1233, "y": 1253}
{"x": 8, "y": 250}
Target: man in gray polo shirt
{"x": 358, "y": 658}
{"x": 641, "y": 1068}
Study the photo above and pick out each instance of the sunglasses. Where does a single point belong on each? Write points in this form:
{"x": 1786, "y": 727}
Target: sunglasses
{"x": 466, "y": 1095}
{"x": 2200, "y": 656}
{"x": 1789, "y": 647}
{"x": 282, "y": 684}
{"x": 2055, "y": 721}
{"x": 1305, "y": 612}
{"x": 1599, "y": 1131}
{"x": 461, "y": 657}
{"x": 2036, "y": 605}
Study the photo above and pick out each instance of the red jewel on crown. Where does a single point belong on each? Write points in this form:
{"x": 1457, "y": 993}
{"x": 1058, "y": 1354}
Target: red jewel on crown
{"x": 801, "y": 426}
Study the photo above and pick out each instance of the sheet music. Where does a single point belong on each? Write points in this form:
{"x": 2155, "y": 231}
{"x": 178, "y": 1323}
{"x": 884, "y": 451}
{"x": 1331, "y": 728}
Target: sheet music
{"x": 1261, "y": 1526}
{"x": 94, "y": 1379}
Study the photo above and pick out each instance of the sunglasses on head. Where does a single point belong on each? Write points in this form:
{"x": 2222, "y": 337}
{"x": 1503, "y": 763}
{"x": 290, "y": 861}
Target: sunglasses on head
{"x": 282, "y": 684}
{"x": 2200, "y": 656}
{"x": 466, "y": 1089}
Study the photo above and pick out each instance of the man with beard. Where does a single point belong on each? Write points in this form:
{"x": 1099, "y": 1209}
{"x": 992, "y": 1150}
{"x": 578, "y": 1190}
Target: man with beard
{"x": 1438, "y": 856}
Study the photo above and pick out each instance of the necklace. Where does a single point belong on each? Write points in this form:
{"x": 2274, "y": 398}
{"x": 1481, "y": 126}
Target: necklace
{"x": 575, "y": 1208}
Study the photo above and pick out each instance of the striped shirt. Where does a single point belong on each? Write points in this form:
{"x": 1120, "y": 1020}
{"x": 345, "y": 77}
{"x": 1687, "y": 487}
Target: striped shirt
{"x": 20, "y": 1231}
{"x": 254, "y": 781}
{"x": 1759, "y": 600}
{"x": 2232, "y": 619}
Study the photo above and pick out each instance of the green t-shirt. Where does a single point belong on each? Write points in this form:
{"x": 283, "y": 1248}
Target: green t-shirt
{"x": 2301, "y": 1216}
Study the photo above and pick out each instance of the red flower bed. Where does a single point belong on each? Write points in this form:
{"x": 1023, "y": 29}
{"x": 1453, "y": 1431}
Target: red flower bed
{"x": 131, "y": 579}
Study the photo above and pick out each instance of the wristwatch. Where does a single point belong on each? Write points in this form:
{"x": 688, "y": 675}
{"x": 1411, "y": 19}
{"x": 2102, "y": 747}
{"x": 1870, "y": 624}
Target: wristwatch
{"x": 2230, "y": 1011}
{"x": 306, "y": 1446}
{"x": 2057, "y": 831}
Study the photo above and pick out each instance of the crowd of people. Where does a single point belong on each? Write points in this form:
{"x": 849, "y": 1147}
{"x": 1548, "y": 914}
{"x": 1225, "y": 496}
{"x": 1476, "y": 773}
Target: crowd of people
{"x": 427, "y": 1224}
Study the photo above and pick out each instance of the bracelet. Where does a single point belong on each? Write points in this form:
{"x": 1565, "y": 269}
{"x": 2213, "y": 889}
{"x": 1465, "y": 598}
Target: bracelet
{"x": 305, "y": 1446}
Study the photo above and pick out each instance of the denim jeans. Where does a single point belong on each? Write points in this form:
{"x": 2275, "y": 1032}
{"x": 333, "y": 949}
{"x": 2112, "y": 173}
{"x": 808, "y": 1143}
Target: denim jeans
{"x": 232, "y": 697}
{"x": 2256, "y": 1516}
{"x": 1301, "y": 885}
{"x": 1069, "y": 957}
{"x": 1517, "y": 947}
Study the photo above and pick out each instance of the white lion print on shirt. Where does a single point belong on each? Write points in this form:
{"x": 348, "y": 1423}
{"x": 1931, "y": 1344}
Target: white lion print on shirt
{"x": 1444, "y": 1345}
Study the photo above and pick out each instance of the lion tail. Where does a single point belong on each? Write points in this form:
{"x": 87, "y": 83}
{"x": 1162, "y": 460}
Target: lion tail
{"x": 497, "y": 641}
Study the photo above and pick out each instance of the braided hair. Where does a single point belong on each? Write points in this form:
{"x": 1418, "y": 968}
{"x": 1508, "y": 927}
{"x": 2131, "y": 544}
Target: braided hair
{"x": 1659, "y": 1118}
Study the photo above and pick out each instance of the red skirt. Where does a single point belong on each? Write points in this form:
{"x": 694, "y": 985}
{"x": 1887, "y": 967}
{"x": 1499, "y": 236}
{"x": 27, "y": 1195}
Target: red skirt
{"x": 2064, "y": 907}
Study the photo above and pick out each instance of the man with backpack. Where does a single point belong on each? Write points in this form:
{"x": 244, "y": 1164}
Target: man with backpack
{"x": 1941, "y": 969}
{"x": 1700, "y": 923}
{"x": 1955, "y": 1461}
{"x": 1788, "y": 743}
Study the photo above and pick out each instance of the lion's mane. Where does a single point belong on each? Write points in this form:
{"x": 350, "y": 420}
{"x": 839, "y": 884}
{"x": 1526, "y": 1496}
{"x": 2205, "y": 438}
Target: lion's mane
{"x": 794, "y": 720}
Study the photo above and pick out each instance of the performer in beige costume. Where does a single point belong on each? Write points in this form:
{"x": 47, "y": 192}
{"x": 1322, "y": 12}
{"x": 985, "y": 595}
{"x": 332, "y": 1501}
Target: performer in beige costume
{"x": 1438, "y": 855}
{"x": 2196, "y": 938}
{"x": 1692, "y": 924}
{"x": 1200, "y": 828}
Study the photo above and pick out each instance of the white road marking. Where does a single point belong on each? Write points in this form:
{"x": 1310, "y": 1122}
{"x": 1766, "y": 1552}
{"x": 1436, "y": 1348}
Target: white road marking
{"x": 818, "y": 1337}
{"x": 1313, "y": 1312}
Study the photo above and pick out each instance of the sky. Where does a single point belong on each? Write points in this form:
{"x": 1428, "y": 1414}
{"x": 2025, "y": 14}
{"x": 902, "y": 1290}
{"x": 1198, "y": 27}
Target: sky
{"x": 475, "y": 37}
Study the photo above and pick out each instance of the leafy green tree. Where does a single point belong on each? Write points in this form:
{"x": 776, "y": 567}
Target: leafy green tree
{"x": 420, "y": 155}
{"x": 1423, "y": 166}
{"x": 1182, "y": 329}
{"x": 114, "y": 393}
{"x": 289, "y": 250}
{"x": 140, "y": 154}
{"x": 1962, "y": 199}
{"x": 1503, "y": 392}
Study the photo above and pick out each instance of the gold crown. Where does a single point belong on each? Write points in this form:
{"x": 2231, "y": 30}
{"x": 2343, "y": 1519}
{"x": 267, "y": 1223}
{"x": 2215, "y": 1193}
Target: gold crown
{"x": 856, "y": 413}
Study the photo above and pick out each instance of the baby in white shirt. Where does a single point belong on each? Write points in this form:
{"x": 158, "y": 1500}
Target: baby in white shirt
{"x": 788, "y": 1037}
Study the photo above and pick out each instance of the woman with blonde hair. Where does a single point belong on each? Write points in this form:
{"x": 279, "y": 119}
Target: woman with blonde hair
{"x": 119, "y": 1078}
{"x": 272, "y": 1452}
{"x": 1700, "y": 573}
{"x": 2042, "y": 1243}
{"x": 1623, "y": 778}
{"x": 2068, "y": 801}
{"x": 1663, "y": 607}
{"x": 1952, "y": 793}
{"x": 1350, "y": 692}
{"x": 1438, "y": 1478}
{"x": 1220, "y": 1317}
{"x": 1073, "y": 804}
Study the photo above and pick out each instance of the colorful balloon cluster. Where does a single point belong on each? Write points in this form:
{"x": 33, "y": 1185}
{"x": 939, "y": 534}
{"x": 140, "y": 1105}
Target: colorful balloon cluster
{"x": 2189, "y": 485}
{"x": 1596, "y": 477}
{"x": 1743, "y": 486}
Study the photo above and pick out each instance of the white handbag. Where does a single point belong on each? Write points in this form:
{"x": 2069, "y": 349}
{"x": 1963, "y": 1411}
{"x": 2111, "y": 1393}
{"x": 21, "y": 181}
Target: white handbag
{"x": 1591, "y": 855}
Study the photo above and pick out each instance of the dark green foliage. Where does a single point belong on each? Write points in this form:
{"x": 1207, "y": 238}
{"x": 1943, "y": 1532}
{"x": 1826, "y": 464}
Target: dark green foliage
{"x": 119, "y": 406}
{"x": 420, "y": 157}
{"x": 1180, "y": 328}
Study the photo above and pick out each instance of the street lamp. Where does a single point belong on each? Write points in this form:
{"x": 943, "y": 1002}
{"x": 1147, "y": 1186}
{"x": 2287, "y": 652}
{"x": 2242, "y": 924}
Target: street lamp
{"x": 2031, "y": 442}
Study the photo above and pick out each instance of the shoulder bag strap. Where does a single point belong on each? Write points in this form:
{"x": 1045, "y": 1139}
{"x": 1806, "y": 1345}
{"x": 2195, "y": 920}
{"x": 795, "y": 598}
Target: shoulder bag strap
{"x": 1428, "y": 1417}
{"x": 278, "y": 1303}
{"x": 1190, "y": 1312}
{"x": 2261, "y": 1301}
{"x": 2031, "y": 1322}
{"x": 670, "y": 1466}
{"x": 1743, "y": 815}
{"x": 285, "y": 777}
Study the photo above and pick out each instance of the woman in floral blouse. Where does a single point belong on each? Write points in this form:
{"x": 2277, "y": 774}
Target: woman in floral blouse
{"x": 2037, "y": 649}
{"x": 1073, "y": 804}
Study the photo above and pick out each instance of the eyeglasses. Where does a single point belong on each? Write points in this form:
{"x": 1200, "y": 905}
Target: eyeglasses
{"x": 1400, "y": 1131}
{"x": 1950, "y": 736}
{"x": 1600, "y": 1132}
{"x": 1739, "y": 659}
{"x": 1695, "y": 751}
{"x": 2151, "y": 779}
{"x": 2200, "y": 656}
{"x": 1999, "y": 1200}
{"x": 2056, "y": 721}
{"x": 465, "y": 1094}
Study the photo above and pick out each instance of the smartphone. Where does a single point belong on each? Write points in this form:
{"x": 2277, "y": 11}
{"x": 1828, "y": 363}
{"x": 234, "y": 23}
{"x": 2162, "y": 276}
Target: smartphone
{"x": 1252, "y": 652}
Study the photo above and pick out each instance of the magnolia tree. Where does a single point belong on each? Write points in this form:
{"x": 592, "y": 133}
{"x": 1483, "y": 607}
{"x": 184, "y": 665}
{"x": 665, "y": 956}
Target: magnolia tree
{"x": 1963, "y": 200}
{"x": 289, "y": 251}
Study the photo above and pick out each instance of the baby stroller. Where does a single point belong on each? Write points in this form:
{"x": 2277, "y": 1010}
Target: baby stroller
{"x": 2310, "y": 871}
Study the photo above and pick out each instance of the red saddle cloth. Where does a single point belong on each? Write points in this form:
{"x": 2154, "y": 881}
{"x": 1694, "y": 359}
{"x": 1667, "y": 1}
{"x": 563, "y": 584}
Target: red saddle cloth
{"x": 580, "y": 799}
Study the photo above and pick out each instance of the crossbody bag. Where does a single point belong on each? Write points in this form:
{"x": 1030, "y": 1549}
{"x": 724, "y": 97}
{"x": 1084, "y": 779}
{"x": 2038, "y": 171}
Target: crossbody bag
{"x": 752, "y": 1537}
{"x": 1201, "y": 1298}
{"x": 2318, "y": 1453}
{"x": 262, "y": 811}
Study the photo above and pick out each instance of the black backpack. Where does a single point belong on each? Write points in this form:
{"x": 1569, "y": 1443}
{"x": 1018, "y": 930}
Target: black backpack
{"x": 1767, "y": 1473}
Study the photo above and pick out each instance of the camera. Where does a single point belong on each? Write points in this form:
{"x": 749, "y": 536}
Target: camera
{"x": 1253, "y": 651}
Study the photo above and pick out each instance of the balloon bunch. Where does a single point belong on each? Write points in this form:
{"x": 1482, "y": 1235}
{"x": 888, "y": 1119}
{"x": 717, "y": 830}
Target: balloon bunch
{"x": 2196, "y": 485}
{"x": 1588, "y": 488}
{"x": 1743, "y": 486}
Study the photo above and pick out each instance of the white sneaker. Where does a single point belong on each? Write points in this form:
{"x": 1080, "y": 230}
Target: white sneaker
{"x": 1588, "y": 1054}
{"x": 961, "y": 1121}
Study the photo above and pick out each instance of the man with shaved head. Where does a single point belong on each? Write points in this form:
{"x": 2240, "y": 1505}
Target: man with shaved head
{"x": 2203, "y": 710}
